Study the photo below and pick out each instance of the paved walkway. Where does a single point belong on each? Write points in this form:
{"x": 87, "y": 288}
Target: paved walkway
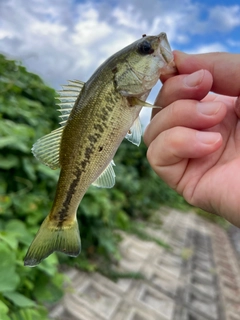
{"x": 199, "y": 279}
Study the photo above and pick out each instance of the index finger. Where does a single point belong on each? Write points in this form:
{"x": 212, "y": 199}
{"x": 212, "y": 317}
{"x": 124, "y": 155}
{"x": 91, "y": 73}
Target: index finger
{"x": 224, "y": 68}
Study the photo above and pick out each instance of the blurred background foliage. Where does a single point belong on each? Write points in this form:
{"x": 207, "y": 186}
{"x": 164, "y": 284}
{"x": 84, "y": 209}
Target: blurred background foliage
{"x": 28, "y": 111}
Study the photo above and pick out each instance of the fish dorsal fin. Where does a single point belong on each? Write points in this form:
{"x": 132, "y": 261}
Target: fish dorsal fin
{"x": 106, "y": 178}
{"x": 47, "y": 148}
{"x": 68, "y": 97}
{"x": 135, "y": 132}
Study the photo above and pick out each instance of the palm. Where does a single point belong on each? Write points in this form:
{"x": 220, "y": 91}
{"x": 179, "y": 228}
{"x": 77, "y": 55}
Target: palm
{"x": 212, "y": 182}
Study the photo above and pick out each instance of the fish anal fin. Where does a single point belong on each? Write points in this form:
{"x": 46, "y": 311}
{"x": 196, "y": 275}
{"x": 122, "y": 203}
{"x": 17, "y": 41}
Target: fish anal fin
{"x": 106, "y": 178}
{"x": 64, "y": 239}
{"x": 135, "y": 132}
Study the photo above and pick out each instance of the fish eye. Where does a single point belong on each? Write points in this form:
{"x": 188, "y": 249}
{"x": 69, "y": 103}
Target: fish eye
{"x": 145, "y": 47}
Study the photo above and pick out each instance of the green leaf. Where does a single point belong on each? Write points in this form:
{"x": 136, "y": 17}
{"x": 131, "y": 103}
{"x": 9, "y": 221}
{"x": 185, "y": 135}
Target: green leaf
{"x": 5, "y": 317}
{"x": 49, "y": 266}
{"x": 9, "y": 238}
{"x": 46, "y": 291}
{"x": 8, "y": 162}
{"x": 3, "y": 311}
{"x": 29, "y": 314}
{"x": 3, "y": 308}
{"x": 6, "y": 141}
{"x": 5, "y": 203}
{"x": 19, "y": 299}
{"x": 18, "y": 230}
{"x": 9, "y": 279}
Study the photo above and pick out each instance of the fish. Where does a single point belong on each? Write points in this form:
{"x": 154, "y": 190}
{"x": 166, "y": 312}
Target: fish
{"x": 95, "y": 118}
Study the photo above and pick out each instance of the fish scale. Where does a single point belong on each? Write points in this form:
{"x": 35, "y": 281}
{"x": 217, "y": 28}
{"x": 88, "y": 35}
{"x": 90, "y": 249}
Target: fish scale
{"x": 96, "y": 116}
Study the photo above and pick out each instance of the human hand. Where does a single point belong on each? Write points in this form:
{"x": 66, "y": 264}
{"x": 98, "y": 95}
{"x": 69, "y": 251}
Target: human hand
{"x": 194, "y": 143}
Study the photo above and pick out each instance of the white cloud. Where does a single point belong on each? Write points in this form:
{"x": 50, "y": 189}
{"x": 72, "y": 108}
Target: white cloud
{"x": 212, "y": 47}
{"x": 63, "y": 40}
{"x": 225, "y": 18}
{"x": 233, "y": 43}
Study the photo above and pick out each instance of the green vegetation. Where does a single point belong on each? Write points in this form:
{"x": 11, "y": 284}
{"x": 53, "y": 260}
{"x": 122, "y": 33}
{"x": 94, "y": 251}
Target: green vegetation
{"x": 27, "y": 112}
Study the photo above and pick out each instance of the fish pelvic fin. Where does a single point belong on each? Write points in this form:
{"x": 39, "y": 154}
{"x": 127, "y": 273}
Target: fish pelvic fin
{"x": 50, "y": 238}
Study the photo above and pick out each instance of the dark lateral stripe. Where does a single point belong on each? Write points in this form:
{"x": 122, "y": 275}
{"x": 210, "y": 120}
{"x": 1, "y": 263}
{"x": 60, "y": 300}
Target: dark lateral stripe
{"x": 63, "y": 214}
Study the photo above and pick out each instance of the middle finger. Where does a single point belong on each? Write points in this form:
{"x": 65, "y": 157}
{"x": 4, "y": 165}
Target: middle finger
{"x": 193, "y": 86}
{"x": 185, "y": 113}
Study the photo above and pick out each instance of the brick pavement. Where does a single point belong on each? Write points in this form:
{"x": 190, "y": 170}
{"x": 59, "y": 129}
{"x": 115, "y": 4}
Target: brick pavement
{"x": 198, "y": 279}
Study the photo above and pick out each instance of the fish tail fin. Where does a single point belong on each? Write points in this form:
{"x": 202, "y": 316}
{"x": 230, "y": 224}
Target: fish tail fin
{"x": 50, "y": 238}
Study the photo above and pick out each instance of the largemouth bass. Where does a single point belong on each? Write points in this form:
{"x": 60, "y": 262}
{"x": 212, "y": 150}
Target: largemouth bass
{"x": 96, "y": 116}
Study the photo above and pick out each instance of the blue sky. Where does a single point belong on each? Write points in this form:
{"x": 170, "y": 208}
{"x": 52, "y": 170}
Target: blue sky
{"x": 67, "y": 39}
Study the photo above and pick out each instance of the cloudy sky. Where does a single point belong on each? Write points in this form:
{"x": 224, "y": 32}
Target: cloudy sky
{"x": 67, "y": 39}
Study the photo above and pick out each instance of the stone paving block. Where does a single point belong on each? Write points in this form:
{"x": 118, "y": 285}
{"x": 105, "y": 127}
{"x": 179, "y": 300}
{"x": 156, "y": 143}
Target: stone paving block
{"x": 124, "y": 284}
{"x": 97, "y": 297}
{"x": 80, "y": 310}
{"x": 232, "y": 316}
{"x": 157, "y": 233}
{"x": 136, "y": 312}
{"x": 170, "y": 263}
{"x": 136, "y": 247}
{"x": 204, "y": 265}
{"x": 169, "y": 268}
{"x": 161, "y": 280}
{"x": 164, "y": 281}
{"x": 136, "y": 315}
{"x": 203, "y": 255}
{"x": 198, "y": 279}
{"x": 131, "y": 264}
{"x": 119, "y": 287}
{"x": 204, "y": 307}
{"x": 172, "y": 258}
{"x": 203, "y": 277}
{"x": 157, "y": 301}
{"x": 186, "y": 314}
{"x": 60, "y": 313}
{"x": 205, "y": 289}
{"x": 176, "y": 243}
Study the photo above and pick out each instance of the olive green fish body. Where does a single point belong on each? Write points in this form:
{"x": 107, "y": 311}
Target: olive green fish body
{"x": 97, "y": 116}
{"x": 98, "y": 133}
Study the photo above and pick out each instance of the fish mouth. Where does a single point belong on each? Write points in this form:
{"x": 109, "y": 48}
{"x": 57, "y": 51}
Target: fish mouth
{"x": 166, "y": 51}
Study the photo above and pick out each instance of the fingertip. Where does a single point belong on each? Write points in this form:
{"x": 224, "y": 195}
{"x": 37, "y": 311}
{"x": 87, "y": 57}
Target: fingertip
{"x": 209, "y": 138}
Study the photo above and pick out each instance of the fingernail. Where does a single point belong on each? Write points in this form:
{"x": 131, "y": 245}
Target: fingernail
{"x": 208, "y": 137}
{"x": 209, "y": 108}
{"x": 192, "y": 80}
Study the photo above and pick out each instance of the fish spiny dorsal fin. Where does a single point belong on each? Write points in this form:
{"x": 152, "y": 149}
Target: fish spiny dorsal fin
{"x": 135, "y": 132}
{"x": 106, "y": 178}
{"x": 68, "y": 97}
{"x": 47, "y": 148}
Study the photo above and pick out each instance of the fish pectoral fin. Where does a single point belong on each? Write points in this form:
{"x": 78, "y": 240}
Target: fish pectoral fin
{"x": 106, "y": 178}
{"x": 133, "y": 101}
{"x": 135, "y": 132}
{"x": 65, "y": 239}
{"x": 46, "y": 149}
